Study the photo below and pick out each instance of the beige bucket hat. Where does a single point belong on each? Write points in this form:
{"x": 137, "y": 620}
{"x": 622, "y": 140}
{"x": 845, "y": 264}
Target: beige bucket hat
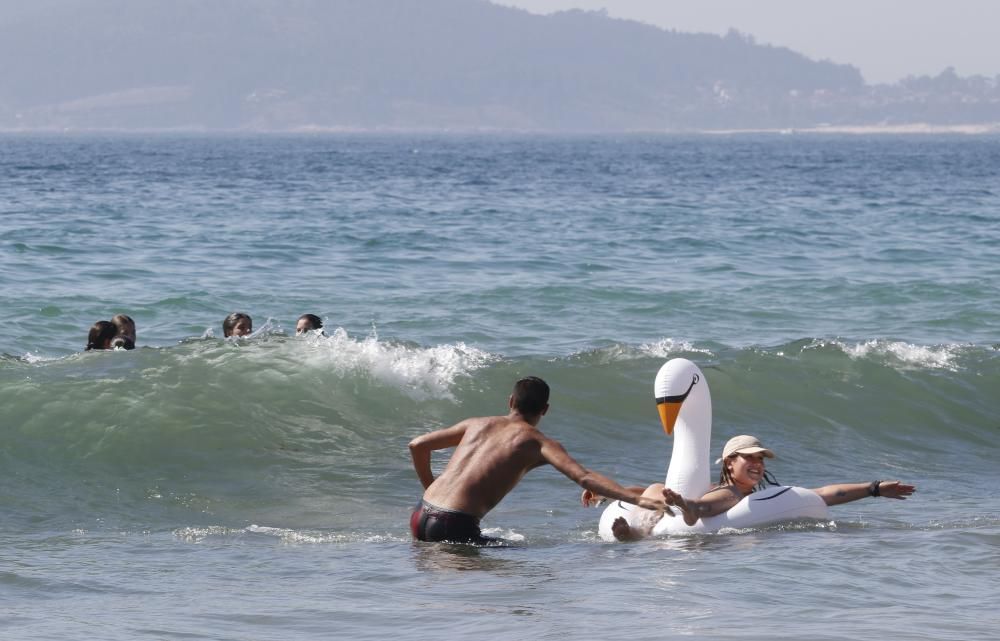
{"x": 744, "y": 444}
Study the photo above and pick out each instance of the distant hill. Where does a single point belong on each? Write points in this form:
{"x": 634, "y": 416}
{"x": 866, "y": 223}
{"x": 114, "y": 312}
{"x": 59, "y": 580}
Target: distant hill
{"x": 404, "y": 64}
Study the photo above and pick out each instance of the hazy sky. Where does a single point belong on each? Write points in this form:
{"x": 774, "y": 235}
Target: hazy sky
{"x": 886, "y": 39}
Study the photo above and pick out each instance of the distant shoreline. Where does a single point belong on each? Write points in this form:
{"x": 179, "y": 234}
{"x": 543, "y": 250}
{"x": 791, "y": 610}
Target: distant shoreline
{"x": 918, "y": 128}
{"x": 911, "y": 128}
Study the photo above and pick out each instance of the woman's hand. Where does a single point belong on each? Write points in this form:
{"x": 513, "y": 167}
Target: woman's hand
{"x": 895, "y": 489}
{"x": 688, "y": 510}
{"x": 673, "y": 498}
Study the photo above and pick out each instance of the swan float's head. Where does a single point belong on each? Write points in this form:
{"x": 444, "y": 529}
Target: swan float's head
{"x": 675, "y": 382}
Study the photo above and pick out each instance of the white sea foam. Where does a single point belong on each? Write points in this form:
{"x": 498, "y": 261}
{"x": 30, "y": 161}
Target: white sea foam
{"x": 505, "y": 534}
{"x": 421, "y": 372}
{"x": 285, "y": 535}
{"x": 35, "y": 358}
{"x": 906, "y": 354}
{"x": 668, "y": 347}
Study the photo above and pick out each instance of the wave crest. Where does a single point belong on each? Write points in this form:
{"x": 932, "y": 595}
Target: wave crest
{"x": 420, "y": 372}
{"x": 900, "y": 353}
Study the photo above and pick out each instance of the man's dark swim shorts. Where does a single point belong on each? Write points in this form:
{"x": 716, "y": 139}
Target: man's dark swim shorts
{"x": 432, "y": 523}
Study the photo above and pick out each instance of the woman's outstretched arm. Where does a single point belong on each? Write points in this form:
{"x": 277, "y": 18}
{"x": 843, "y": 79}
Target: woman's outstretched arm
{"x": 847, "y": 492}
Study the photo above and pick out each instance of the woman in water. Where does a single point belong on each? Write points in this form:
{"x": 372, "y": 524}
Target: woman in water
{"x": 237, "y": 324}
{"x": 308, "y": 323}
{"x": 743, "y": 472}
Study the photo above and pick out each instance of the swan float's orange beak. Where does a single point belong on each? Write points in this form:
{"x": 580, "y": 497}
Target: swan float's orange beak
{"x": 668, "y": 414}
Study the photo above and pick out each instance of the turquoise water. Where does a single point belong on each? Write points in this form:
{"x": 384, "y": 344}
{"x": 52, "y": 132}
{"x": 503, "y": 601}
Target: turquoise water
{"x": 840, "y": 294}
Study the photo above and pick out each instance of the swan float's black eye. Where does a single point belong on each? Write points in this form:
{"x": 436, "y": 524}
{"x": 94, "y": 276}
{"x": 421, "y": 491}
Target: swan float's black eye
{"x": 679, "y": 398}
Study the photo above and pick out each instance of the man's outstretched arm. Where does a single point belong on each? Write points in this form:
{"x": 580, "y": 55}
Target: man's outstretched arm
{"x": 556, "y": 455}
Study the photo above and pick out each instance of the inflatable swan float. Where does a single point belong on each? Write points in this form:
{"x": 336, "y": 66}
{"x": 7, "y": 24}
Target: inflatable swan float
{"x": 685, "y": 407}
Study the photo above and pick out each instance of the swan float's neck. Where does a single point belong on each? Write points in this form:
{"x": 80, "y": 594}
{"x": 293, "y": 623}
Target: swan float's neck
{"x": 689, "y": 472}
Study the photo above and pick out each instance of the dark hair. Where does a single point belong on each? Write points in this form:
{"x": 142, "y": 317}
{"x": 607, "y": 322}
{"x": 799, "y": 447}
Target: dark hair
{"x": 315, "y": 322}
{"x": 122, "y": 319}
{"x": 123, "y": 341}
{"x": 102, "y": 332}
{"x": 231, "y": 320}
{"x": 531, "y": 395}
{"x": 125, "y": 326}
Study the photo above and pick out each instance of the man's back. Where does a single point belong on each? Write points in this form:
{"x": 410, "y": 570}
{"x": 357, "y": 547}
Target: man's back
{"x": 494, "y": 454}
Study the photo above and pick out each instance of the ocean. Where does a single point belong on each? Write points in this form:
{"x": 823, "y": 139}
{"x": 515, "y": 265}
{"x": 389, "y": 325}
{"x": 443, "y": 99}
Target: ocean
{"x": 840, "y": 293}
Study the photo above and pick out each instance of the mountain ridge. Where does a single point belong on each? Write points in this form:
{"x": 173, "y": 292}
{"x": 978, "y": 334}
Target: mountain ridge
{"x": 293, "y": 65}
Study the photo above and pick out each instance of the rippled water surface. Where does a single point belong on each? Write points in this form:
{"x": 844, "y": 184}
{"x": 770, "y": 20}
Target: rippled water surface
{"x": 840, "y": 295}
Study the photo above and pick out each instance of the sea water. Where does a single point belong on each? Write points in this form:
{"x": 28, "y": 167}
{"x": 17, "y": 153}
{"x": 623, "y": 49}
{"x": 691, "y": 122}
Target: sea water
{"x": 841, "y": 295}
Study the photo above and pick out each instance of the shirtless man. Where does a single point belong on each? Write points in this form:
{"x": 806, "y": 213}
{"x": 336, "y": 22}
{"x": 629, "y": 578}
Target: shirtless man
{"x": 493, "y": 453}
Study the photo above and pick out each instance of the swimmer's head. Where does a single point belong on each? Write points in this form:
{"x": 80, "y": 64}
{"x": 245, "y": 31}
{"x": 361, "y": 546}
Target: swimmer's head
{"x": 237, "y": 324}
{"x": 530, "y": 397}
{"x": 100, "y": 335}
{"x": 308, "y": 322}
{"x": 125, "y": 326}
{"x": 122, "y": 342}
